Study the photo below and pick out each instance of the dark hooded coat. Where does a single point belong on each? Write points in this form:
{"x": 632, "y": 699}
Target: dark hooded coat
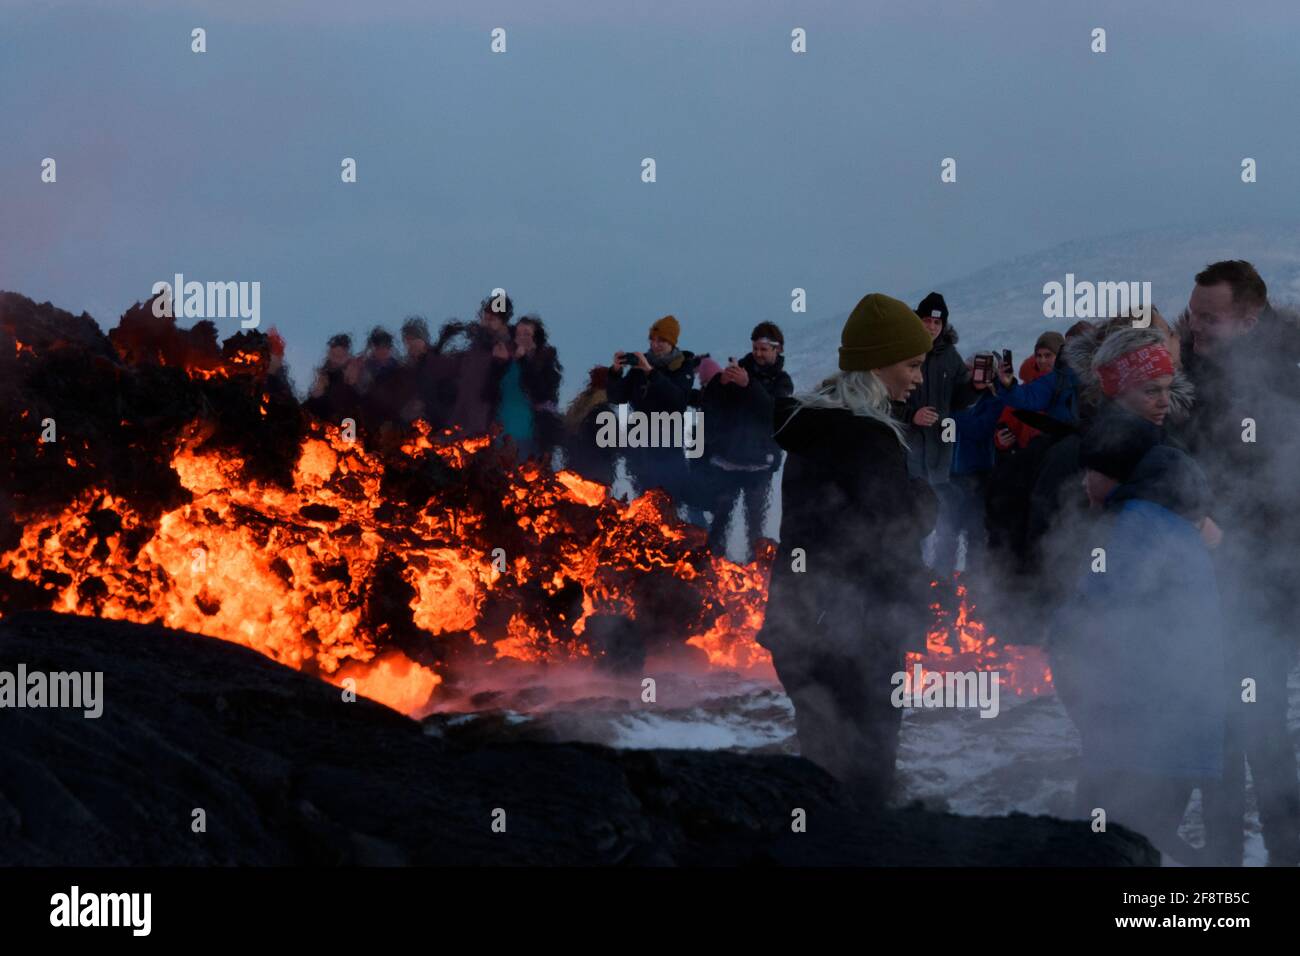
{"x": 946, "y": 387}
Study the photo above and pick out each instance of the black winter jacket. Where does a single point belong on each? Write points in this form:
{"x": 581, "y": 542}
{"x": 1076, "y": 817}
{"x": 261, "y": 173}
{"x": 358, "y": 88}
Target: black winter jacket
{"x": 849, "y": 503}
{"x": 738, "y": 420}
{"x": 662, "y": 390}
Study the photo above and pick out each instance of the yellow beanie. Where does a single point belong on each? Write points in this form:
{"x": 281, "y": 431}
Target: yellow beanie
{"x": 667, "y": 329}
{"x": 881, "y": 331}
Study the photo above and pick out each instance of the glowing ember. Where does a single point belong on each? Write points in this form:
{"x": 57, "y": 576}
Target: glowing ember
{"x": 962, "y": 643}
{"x": 306, "y": 574}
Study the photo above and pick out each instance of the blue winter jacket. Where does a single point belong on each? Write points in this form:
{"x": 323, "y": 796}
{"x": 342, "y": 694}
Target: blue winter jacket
{"x": 1055, "y": 394}
{"x": 1138, "y": 650}
{"x": 975, "y": 453}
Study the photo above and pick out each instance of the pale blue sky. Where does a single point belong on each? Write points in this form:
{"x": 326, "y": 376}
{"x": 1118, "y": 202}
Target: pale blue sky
{"x": 522, "y": 170}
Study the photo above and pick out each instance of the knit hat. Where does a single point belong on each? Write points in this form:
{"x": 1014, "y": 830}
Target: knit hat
{"x": 1052, "y": 341}
{"x": 881, "y": 331}
{"x": 933, "y": 307}
{"x": 708, "y": 369}
{"x": 668, "y": 329}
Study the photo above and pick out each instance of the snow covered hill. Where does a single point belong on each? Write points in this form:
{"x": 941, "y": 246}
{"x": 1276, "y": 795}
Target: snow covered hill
{"x": 1002, "y": 306}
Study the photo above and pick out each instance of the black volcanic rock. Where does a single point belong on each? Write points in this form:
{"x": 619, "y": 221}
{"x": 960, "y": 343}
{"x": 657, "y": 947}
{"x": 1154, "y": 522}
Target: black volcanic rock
{"x": 287, "y": 772}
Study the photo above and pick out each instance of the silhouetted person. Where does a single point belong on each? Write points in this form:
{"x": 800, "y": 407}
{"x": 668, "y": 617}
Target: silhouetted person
{"x": 480, "y": 366}
{"x": 428, "y": 389}
{"x": 333, "y": 395}
{"x": 380, "y": 382}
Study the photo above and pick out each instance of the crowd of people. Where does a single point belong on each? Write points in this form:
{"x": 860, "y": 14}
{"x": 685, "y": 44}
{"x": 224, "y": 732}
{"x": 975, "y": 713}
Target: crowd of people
{"x": 1133, "y": 492}
{"x": 500, "y": 377}
{"x": 488, "y": 376}
{"x": 1126, "y": 496}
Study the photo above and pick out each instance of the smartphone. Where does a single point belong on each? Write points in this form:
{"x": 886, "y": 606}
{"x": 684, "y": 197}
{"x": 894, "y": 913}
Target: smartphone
{"x": 982, "y": 369}
{"x": 1006, "y": 359}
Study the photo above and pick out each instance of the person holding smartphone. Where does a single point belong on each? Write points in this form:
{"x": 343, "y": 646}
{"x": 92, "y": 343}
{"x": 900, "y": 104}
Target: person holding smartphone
{"x": 658, "y": 379}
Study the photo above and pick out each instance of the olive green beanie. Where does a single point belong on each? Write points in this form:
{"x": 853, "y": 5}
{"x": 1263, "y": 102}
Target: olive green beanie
{"x": 881, "y": 331}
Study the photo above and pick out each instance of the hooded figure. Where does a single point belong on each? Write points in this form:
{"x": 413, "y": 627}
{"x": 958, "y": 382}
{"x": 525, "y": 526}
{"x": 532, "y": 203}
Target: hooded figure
{"x": 1137, "y": 651}
{"x": 849, "y": 594}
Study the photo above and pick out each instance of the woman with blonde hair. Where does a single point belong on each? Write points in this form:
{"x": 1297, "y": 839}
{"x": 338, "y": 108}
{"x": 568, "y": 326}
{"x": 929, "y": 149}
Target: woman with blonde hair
{"x": 849, "y": 594}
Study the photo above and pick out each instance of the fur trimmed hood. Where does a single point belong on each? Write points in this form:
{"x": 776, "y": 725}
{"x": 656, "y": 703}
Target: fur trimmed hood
{"x": 1078, "y": 354}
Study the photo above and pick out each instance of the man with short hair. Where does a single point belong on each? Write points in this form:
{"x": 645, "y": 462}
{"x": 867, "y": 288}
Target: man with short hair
{"x": 739, "y": 451}
{"x": 1245, "y": 432}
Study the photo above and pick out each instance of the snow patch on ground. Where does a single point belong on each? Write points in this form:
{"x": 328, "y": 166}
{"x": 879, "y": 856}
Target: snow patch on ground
{"x": 1025, "y": 760}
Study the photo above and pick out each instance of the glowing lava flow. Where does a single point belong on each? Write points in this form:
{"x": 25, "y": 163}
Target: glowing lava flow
{"x": 291, "y": 572}
{"x": 962, "y": 643}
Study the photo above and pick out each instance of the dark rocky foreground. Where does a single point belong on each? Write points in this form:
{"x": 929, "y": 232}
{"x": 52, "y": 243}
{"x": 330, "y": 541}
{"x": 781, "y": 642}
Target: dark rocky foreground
{"x": 289, "y": 773}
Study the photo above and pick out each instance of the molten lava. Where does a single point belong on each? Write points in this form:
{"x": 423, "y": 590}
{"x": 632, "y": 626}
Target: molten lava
{"x": 960, "y": 642}
{"x": 292, "y": 572}
{"x": 184, "y": 489}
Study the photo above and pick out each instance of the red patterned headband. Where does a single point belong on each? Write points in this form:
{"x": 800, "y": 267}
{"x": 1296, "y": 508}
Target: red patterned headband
{"x": 1133, "y": 368}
